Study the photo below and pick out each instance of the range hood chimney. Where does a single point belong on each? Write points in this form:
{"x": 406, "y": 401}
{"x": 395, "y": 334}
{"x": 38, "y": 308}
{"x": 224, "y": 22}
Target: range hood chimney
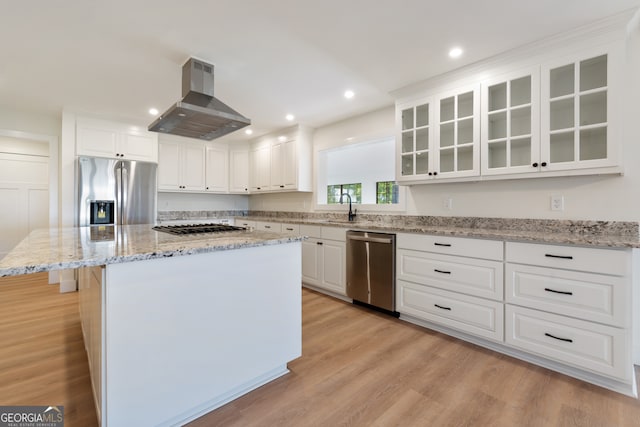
{"x": 199, "y": 114}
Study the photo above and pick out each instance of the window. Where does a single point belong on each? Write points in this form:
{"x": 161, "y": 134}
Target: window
{"x": 353, "y": 190}
{"x": 386, "y": 192}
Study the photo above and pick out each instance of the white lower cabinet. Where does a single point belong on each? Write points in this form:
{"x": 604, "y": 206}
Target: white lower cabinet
{"x": 469, "y": 314}
{"x": 598, "y": 348}
{"x": 564, "y": 307}
{"x": 323, "y": 258}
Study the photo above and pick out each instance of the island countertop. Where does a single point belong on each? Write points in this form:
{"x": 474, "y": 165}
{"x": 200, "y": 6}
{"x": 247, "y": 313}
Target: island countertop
{"x": 65, "y": 248}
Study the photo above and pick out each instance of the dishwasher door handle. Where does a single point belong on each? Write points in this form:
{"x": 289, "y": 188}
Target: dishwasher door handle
{"x": 370, "y": 239}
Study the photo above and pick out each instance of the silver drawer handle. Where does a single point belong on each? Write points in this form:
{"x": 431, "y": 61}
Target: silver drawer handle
{"x": 558, "y": 256}
{"x": 558, "y": 292}
{"x": 558, "y": 338}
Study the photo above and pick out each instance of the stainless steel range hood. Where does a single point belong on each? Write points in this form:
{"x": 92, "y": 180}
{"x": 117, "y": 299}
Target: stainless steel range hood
{"x": 199, "y": 114}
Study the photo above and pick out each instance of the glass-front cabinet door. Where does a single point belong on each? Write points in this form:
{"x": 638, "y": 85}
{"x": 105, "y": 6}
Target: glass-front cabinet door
{"x": 510, "y": 123}
{"x": 457, "y": 134}
{"x": 576, "y": 113}
{"x": 416, "y": 136}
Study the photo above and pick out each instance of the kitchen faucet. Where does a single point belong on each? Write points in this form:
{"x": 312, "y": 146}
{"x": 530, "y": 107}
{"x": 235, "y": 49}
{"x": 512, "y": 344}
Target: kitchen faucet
{"x": 352, "y": 215}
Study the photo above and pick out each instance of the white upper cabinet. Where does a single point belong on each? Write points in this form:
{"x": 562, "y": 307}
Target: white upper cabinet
{"x": 102, "y": 138}
{"x": 578, "y": 95}
{"x": 510, "y": 126}
{"x": 415, "y": 134}
{"x": 217, "y": 168}
{"x": 181, "y": 166}
{"x": 457, "y": 133}
{"x": 282, "y": 161}
{"x": 439, "y": 136}
{"x": 239, "y": 170}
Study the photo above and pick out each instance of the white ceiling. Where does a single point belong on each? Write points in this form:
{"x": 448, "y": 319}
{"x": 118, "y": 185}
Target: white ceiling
{"x": 272, "y": 57}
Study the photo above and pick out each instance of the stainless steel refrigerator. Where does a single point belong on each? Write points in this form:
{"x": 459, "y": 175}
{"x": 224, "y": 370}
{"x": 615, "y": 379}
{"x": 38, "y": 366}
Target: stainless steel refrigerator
{"x": 116, "y": 191}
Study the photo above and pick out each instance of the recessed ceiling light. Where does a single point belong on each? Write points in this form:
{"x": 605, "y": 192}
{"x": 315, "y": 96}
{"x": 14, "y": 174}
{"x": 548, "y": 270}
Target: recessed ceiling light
{"x": 248, "y": 131}
{"x": 349, "y": 94}
{"x": 290, "y": 117}
{"x": 282, "y": 138}
{"x": 153, "y": 111}
{"x": 455, "y": 52}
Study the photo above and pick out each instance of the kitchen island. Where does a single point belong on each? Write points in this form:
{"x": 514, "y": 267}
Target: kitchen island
{"x": 171, "y": 337}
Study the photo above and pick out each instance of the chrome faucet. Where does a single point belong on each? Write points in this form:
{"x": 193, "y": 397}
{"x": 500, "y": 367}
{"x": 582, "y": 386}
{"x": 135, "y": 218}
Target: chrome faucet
{"x": 352, "y": 215}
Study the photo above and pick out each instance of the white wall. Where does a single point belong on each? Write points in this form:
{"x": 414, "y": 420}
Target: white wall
{"x": 25, "y": 121}
{"x": 610, "y": 197}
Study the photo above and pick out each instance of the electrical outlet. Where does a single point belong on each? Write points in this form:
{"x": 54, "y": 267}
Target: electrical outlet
{"x": 557, "y": 203}
{"x": 447, "y": 203}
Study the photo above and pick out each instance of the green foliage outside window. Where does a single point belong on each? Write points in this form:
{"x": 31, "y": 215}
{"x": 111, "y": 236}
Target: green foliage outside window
{"x": 353, "y": 190}
{"x": 386, "y": 192}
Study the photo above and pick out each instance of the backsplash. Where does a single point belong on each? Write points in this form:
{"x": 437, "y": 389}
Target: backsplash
{"x": 617, "y": 228}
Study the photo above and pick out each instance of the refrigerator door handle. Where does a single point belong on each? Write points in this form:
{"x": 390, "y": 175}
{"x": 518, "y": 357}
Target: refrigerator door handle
{"x": 118, "y": 177}
{"x": 124, "y": 195}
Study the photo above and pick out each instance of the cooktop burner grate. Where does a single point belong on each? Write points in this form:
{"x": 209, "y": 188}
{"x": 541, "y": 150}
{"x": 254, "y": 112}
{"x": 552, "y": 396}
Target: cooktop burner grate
{"x": 196, "y": 228}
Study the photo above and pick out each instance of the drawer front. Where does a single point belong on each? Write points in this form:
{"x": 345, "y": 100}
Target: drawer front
{"x": 311, "y": 230}
{"x": 291, "y": 229}
{"x": 594, "y": 260}
{"x": 593, "y": 297}
{"x": 599, "y": 348}
{"x": 467, "y": 275}
{"x": 269, "y": 226}
{"x": 469, "y": 314}
{"x": 334, "y": 233}
{"x": 243, "y": 223}
{"x": 475, "y": 248}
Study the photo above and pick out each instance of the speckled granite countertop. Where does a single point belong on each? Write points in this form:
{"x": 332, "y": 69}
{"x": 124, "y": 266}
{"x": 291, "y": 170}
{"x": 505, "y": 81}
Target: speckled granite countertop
{"x": 56, "y": 249}
{"x": 611, "y": 234}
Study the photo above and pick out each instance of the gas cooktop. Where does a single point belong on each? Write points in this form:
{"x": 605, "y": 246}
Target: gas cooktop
{"x": 196, "y": 228}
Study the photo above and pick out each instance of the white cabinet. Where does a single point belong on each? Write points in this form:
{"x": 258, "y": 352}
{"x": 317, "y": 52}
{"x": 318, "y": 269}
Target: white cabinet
{"x": 90, "y": 298}
{"x": 578, "y": 118}
{"x": 103, "y": 138}
{"x": 217, "y": 168}
{"x": 457, "y": 133}
{"x": 510, "y": 126}
{"x": 323, "y": 258}
{"x": 571, "y": 305}
{"x": 181, "y": 166}
{"x": 260, "y": 171}
{"x": 239, "y": 170}
{"x": 282, "y": 161}
{"x": 451, "y": 281}
{"x": 439, "y": 136}
{"x": 274, "y": 227}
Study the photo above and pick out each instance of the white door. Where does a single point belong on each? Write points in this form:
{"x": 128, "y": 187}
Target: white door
{"x": 24, "y": 191}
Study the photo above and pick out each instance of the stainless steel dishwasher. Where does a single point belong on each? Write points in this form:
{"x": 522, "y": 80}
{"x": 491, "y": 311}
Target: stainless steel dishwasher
{"x": 371, "y": 269}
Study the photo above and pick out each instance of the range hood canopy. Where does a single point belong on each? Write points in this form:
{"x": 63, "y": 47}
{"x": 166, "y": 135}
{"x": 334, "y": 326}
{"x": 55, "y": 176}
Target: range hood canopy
{"x": 199, "y": 114}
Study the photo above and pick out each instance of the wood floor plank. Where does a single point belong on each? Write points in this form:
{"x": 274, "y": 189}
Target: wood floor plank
{"x": 358, "y": 368}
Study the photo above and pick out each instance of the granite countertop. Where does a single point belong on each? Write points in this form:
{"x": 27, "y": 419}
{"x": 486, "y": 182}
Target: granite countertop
{"x": 584, "y": 233}
{"x": 62, "y": 248}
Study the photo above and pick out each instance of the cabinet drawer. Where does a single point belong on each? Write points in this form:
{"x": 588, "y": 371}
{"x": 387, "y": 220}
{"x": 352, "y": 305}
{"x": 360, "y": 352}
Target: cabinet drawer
{"x": 593, "y": 297}
{"x": 469, "y": 314}
{"x": 311, "y": 230}
{"x": 246, "y": 224}
{"x": 467, "y": 275}
{"x": 599, "y": 348}
{"x": 269, "y": 226}
{"x": 334, "y": 233}
{"x": 475, "y": 248}
{"x": 594, "y": 260}
{"x": 291, "y": 229}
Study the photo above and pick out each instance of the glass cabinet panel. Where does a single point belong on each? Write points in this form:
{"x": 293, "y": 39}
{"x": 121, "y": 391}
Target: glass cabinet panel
{"x": 593, "y": 143}
{"x": 562, "y": 147}
{"x": 422, "y": 115}
{"x": 562, "y": 114}
{"x": 562, "y": 81}
{"x": 498, "y": 154}
{"x": 446, "y": 135}
{"x": 407, "y": 119}
{"x": 415, "y": 140}
{"x": 497, "y": 125}
{"x": 465, "y": 131}
{"x": 520, "y": 152}
{"x": 593, "y": 108}
{"x": 521, "y": 121}
{"x": 593, "y": 73}
{"x": 447, "y": 160}
{"x": 465, "y": 105}
{"x": 498, "y": 97}
{"x": 447, "y": 109}
{"x": 521, "y": 91}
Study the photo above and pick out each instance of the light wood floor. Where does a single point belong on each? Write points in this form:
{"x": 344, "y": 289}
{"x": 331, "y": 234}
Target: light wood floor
{"x": 358, "y": 368}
